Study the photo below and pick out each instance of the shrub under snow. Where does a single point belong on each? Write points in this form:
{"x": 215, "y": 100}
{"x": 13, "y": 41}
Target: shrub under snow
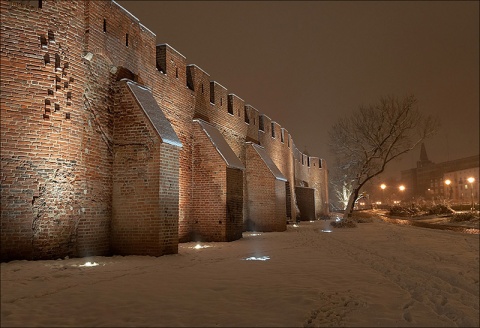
{"x": 464, "y": 216}
{"x": 440, "y": 209}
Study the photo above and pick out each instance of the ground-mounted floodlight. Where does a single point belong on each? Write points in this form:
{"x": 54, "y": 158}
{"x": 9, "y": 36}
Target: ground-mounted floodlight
{"x": 257, "y": 258}
{"x": 200, "y": 246}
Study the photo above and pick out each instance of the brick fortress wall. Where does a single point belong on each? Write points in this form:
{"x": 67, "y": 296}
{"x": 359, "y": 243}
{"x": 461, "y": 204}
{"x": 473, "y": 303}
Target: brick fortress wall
{"x": 61, "y": 64}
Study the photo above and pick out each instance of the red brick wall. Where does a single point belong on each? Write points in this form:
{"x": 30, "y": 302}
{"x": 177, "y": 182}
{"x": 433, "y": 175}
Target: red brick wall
{"x": 317, "y": 178}
{"x": 169, "y": 198}
{"x": 228, "y": 116}
{"x": 97, "y": 137}
{"x": 199, "y": 82}
{"x": 218, "y": 193}
{"x": 65, "y": 201}
{"x": 234, "y": 205}
{"x": 112, "y": 59}
{"x": 145, "y": 184}
{"x": 324, "y": 187}
{"x": 280, "y": 205}
{"x": 176, "y": 101}
{"x": 209, "y": 195}
{"x": 233, "y": 126}
{"x": 138, "y": 57}
{"x": 42, "y": 195}
{"x": 59, "y": 68}
{"x": 302, "y": 175}
{"x": 281, "y": 154}
{"x": 252, "y": 129}
{"x": 266, "y": 196}
{"x": 224, "y": 111}
{"x": 312, "y": 172}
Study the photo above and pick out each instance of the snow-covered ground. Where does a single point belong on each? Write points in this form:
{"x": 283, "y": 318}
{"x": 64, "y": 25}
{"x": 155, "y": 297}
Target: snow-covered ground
{"x": 377, "y": 274}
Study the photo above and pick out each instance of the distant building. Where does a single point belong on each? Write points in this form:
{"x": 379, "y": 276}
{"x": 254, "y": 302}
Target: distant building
{"x": 459, "y": 189}
{"x": 428, "y": 179}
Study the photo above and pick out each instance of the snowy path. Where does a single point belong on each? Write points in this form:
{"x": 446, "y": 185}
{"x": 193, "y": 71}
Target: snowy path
{"x": 378, "y": 274}
{"x": 439, "y": 289}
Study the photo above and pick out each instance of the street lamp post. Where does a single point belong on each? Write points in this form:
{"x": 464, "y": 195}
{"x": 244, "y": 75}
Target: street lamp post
{"x": 471, "y": 180}
{"x": 448, "y": 182}
{"x": 402, "y": 189}
{"x": 383, "y": 186}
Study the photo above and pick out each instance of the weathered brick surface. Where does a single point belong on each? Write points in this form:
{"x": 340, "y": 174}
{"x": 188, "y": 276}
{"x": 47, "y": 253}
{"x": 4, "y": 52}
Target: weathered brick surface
{"x": 318, "y": 177}
{"x": 45, "y": 190}
{"x": 60, "y": 67}
{"x": 234, "y": 205}
{"x": 266, "y": 196}
{"x": 312, "y": 172}
{"x": 145, "y": 184}
{"x": 176, "y": 100}
{"x": 281, "y": 151}
{"x": 217, "y": 193}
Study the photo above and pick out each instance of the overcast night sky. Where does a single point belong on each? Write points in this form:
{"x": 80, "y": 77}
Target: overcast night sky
{"x": 307, "y": 63}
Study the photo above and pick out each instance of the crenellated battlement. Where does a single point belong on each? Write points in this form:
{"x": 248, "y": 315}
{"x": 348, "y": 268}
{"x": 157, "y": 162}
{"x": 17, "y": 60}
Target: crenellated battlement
{"x": 171, "y": 63}
{"x": 90, "y": 104}
{"x": 235, "y": 105}
{"x": 218, "y": 95}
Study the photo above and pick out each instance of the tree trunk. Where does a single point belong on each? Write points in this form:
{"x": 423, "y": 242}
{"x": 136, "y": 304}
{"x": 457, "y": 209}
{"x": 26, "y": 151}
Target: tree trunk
{"x": 351, "y": 202}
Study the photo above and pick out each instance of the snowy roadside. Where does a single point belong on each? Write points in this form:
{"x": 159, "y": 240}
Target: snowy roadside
{"x": 442, "y": 222}
{"x": 375, "y": 275}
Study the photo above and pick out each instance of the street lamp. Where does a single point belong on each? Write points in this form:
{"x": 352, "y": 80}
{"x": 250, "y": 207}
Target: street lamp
{"x": 383, "y": 186}
{"x": 471, "y": 180}
{"x": 448, "y": 182}
{"x": 402, "y": 189}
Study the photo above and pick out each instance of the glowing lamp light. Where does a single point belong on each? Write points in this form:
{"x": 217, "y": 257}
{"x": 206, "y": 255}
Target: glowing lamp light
{"x": 383, "y": 186}
{"x": 89, "y": 264}
{"x": 199, "y": 246}
{"x": 471, "y": 180}
{"x": 402, "y": 188}
{"x": 257, "y": 258}
{"x": 448, "y": 182}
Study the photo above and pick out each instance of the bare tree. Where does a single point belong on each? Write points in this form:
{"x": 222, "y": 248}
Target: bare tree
{"x": 342, "y": 188}
{"x": 365, "y": 142}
